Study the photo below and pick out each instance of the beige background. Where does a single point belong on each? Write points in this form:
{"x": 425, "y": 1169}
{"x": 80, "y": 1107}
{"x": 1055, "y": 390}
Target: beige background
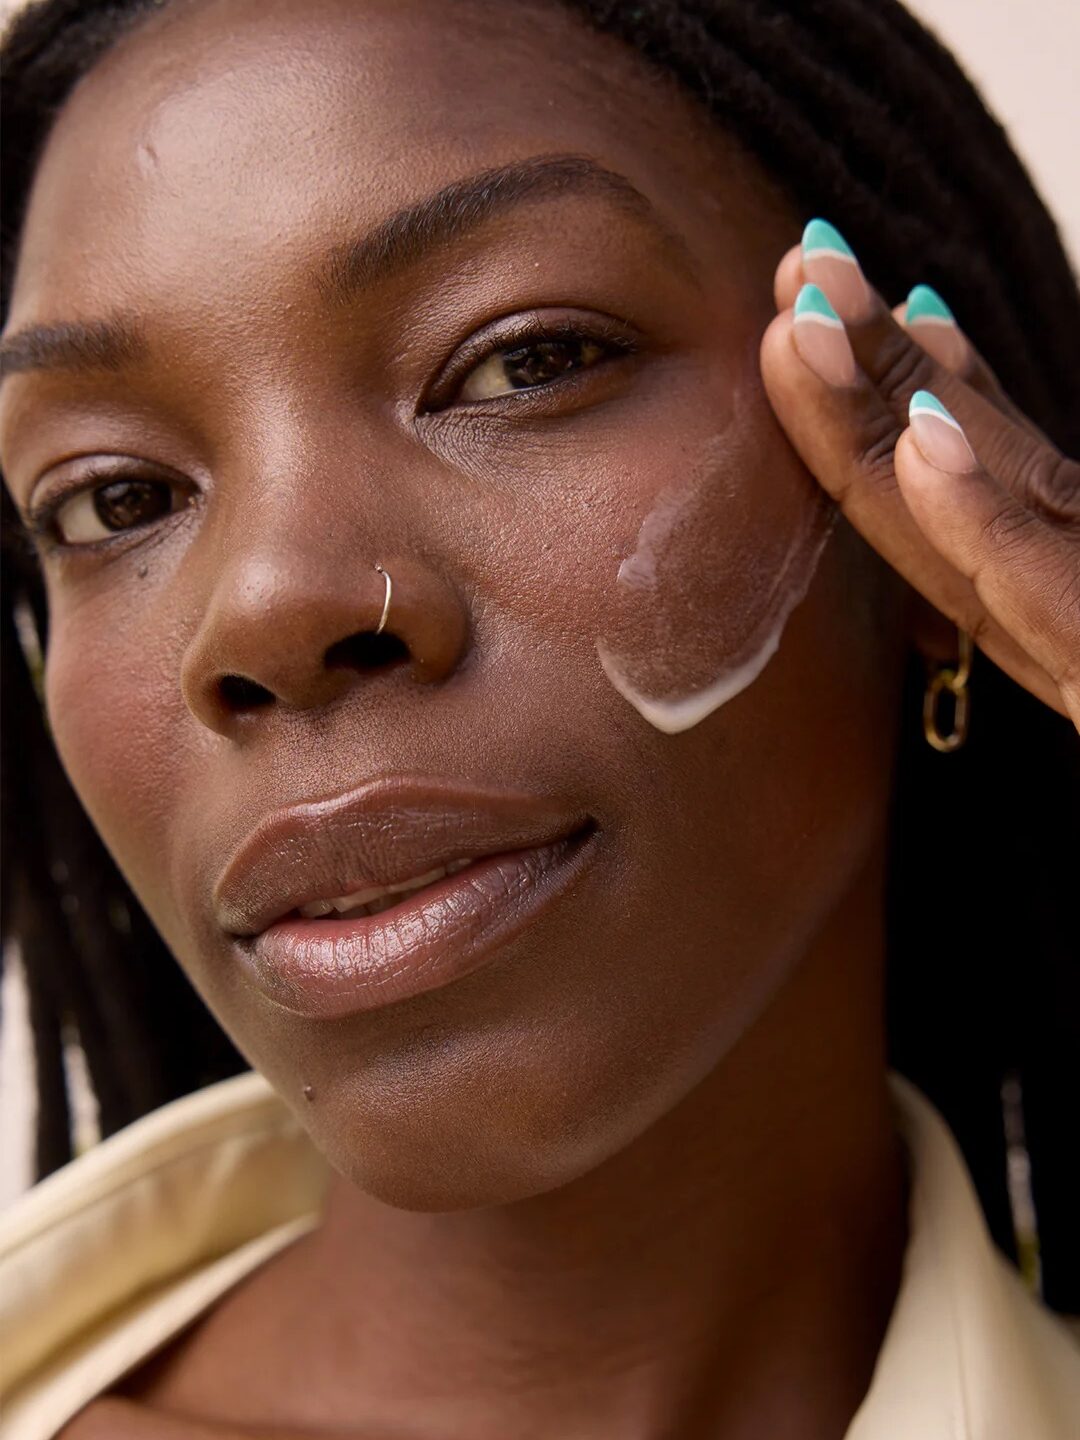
{"x": 1025, "y": 57}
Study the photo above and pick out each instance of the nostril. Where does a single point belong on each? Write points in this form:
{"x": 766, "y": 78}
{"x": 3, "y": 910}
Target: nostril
{"x": 368, "y": 651}
{"x": 239, "y": 693}
{"x": 365, "y": 651}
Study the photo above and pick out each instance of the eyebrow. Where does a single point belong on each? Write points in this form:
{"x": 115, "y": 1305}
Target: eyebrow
{"x": 71, "y": 345}
{"x": 464, "y": 205}
{"x": 393, "y": 245}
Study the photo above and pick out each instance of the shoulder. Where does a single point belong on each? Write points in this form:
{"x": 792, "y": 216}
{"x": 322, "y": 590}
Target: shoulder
{"x": 106, "y": 1259}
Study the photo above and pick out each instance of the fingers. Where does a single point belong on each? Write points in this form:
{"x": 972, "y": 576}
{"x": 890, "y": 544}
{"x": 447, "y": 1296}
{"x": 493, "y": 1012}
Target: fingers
{"x": 846, "y": 437}
{"x": 930, "y": 323}
{"x": 894, "y": 358}
{"x": 926, "y": 352}
{"x": 923, "y": 318}
{"x": 1025, "y": 570}
{"x": 789, "y": 278}
{"x": 846, "y": 431}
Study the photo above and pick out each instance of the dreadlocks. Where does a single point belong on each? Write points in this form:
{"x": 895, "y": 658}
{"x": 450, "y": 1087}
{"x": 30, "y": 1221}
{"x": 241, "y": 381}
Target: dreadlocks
{"x": 858, "y": 113}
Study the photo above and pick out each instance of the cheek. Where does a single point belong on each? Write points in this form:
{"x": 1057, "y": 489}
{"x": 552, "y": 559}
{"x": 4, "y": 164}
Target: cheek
{"x": 659, "y": 547}
{"x": 724, "y": 554}
{"x": 115, "y": 722}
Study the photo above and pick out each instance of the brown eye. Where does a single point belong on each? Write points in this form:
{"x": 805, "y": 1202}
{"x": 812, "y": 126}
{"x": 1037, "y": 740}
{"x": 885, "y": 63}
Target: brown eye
{"x": 526, "y": 366}
{"x": 131, "y": 502}
{"x": 95, "y": 514}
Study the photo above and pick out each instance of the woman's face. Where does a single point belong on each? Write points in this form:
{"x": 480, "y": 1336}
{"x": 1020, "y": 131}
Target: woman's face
{"x": 309, "y": 408}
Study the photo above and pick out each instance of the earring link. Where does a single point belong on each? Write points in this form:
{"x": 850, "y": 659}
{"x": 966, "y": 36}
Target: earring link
{"x": 953, "y": 678}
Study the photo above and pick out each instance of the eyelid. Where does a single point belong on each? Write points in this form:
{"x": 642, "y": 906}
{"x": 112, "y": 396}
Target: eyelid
{"x": 40, "y": 515}
{"x": 518, "y": 329}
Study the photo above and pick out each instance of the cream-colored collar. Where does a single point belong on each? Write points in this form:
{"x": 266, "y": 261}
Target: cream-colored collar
{"x": 968, "y": 1353}
{"x": 112, "y": 1256}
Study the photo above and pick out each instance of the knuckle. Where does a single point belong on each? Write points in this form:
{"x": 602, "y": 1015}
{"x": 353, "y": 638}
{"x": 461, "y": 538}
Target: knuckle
{"x": 1051, "y": 482}
{"x": 1011, "y": 525}
{"x": 1065, "y": 613}
{"x": 899, "y": 367}
{"x": 876, "y": 451}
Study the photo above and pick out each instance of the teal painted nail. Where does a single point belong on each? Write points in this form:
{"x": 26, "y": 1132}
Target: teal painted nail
{"x": 812, "y": 300}
{"x": 924, "y": 403}
{"x": 820, "y": 236}
{"x": 939, "y": 435}
{"x": 924, "y": 303}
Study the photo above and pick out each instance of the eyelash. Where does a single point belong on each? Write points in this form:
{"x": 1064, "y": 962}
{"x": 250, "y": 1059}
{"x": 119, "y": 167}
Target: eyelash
{"x": 531, "y": 332}
{"x": 39, "y": 521}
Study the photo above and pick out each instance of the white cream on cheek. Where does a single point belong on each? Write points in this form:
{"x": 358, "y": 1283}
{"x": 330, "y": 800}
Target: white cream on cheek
{"x": 720, "y": 564}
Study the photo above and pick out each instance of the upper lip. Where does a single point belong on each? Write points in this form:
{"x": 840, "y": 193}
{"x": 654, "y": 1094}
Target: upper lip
{"x": 383, "y": 833}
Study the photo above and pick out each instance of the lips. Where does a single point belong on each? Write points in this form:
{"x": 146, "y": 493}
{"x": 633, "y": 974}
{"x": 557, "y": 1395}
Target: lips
{"x": 522, "y": 850}
{"x": 376, "y": 898}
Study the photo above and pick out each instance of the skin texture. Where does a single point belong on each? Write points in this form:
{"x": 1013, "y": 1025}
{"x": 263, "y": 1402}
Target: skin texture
{"x": 568, "y": 1180}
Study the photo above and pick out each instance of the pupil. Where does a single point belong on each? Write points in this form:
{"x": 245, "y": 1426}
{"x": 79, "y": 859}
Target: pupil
{"x": 542, "y": 361}
{"x": 130, "y": 502}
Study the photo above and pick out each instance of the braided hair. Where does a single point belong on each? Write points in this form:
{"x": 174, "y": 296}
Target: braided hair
{"x": 856, "y": 112}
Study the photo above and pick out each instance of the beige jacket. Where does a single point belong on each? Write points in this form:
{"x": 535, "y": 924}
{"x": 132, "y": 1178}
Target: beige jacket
{"x": 111, "y": 1257}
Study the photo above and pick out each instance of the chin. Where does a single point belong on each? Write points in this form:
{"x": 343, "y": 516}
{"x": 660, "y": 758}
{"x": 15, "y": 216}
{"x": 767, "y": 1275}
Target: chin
{"x": 459, "y": 1137}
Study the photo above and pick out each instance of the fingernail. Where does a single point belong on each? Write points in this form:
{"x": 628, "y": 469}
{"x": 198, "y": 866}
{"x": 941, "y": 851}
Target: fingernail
{"x": 934, "y": 326}
{"x": 821, "y": 339}
{"x": 829, "y": 261}
{"x": 939, "y": 435}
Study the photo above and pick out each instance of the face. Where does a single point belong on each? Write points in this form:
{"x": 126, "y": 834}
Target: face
{"x": 292, "y": 407}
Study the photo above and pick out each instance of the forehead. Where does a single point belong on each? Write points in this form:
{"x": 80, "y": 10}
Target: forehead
{"x": 223, "y": 129}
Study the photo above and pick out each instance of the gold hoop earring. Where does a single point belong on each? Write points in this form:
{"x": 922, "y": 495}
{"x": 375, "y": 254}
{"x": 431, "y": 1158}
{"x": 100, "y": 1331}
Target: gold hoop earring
{"x": 953, "y": 678}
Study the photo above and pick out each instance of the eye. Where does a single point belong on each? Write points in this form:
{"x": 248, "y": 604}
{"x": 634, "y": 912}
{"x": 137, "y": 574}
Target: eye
{"x": 99, "y": 512}
{"x": 526, "y": 366}
{"x": 534, "y": 353}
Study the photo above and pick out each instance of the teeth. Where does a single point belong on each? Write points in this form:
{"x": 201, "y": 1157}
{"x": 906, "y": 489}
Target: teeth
{"x": 379, "y": 897}
{"x": 376, "y": 892}
{"x": 316, "y": 909}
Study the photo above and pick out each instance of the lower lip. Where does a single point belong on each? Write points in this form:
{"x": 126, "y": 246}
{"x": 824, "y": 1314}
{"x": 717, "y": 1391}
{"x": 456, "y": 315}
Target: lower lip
{"x": 328, "y": 969}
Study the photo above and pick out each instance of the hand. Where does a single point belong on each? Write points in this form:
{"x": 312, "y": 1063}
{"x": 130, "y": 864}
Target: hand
{"x": 983, "y": 520}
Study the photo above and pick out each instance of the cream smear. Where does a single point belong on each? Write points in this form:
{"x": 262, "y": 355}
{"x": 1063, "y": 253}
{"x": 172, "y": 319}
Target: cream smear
{"x": 720, "y": 564}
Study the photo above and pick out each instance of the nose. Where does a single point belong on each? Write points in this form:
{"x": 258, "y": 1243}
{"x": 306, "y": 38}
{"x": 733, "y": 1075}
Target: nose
{"x": 301, "y": 634}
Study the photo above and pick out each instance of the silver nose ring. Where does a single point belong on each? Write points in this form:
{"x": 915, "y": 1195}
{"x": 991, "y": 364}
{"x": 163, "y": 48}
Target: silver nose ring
{"x": 386, "y": 599}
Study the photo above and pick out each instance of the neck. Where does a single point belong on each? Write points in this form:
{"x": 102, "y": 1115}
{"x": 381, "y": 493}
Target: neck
{"x": 732, "y": 1270}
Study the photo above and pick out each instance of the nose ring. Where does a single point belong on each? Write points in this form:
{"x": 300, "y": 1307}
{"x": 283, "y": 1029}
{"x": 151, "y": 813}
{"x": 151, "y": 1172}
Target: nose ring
{"x": 386, "y": 599}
